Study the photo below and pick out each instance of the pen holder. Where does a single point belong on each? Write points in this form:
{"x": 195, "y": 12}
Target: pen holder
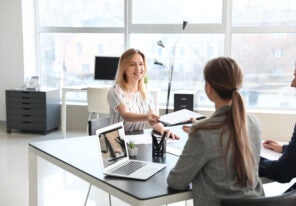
{"x": 158, "y": 145}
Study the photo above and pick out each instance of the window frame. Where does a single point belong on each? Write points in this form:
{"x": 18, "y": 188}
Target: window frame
{"x": 225, "y": 27}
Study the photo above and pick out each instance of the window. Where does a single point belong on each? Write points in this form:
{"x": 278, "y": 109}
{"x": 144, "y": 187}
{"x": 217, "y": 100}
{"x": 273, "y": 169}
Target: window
{"x": 61, "y": 62}
{"x": 257, "y": 33}
{"x": 81, "y": 13}
{"x": 175, "y": 11}
{"x": 268, "y": 71}
{"x": 264, "y": 13}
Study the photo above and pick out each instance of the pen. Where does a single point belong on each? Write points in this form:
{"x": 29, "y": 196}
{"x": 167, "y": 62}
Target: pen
{"x": 161, "y": 141}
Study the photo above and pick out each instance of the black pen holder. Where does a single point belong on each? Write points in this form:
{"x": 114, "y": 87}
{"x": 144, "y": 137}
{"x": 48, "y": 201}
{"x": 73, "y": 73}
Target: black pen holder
{"x": 158, "y": 146}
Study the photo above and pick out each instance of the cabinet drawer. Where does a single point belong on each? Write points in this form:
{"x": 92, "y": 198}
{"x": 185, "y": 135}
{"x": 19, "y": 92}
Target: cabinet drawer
{"x": 26, "y": 118}
{"x": 25, "y": 106}
{"x": 26, "y": 110}
{"x": 25, "y": 97}
{"x": 27, "y": 125}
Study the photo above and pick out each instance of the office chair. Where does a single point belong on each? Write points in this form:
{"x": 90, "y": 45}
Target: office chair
{"x": 155, "y": 93}
{"x": 93, "y": 125}
{"x": 97, "y": 103}
{"x": 286, "y": 199}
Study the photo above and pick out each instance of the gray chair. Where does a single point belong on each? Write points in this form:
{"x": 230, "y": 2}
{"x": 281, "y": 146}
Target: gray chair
{"x": 94, "y": 124}
{"x": 286, "y": 199}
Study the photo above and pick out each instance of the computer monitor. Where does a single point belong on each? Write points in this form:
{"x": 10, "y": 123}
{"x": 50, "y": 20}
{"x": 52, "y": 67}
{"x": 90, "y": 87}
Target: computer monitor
{"x": 105, "y": 67}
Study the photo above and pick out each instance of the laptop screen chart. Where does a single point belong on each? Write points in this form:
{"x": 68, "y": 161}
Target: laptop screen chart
{"x": 112, "y": 146}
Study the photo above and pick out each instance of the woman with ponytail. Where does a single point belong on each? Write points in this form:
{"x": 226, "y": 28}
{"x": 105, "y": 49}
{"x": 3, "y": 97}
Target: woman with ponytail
{"x": 221, "y": 155}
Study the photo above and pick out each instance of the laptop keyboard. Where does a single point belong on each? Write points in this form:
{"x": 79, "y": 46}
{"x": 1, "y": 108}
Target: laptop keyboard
{"x": 128, "y": 167}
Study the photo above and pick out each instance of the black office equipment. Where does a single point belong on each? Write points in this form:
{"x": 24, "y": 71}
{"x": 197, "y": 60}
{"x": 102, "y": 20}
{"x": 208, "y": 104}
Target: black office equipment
{"x": 105, "y": 67}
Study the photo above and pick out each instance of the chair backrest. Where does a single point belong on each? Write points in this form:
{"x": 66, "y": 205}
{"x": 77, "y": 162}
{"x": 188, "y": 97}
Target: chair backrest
{"x": 94, "y": 124}
{"x": 97, "y": 99}
{"x": 155, "y": 93}
{"x": 286, "y": 199}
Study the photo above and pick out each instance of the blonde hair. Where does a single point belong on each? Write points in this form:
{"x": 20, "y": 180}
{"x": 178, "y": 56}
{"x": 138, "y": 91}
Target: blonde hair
{"x": 225, "y": 77}
{"x": 121, "y": 78}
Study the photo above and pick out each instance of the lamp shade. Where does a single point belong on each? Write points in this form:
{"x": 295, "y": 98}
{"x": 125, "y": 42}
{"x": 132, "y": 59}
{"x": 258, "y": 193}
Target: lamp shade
{"x": 160, "y": 43}
{"x": 158, "y": 62}
{"x": 184, "y": 24}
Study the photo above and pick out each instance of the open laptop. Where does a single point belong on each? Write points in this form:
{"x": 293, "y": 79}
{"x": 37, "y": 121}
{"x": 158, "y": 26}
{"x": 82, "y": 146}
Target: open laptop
{"x": 115, "y": 159}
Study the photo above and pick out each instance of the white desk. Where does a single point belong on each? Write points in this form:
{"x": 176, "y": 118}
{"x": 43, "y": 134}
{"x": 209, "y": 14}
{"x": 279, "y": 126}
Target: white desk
{"x": 81, "y": 159}
{"x": 155, "y": 93}
{"x": 154, "y": 191}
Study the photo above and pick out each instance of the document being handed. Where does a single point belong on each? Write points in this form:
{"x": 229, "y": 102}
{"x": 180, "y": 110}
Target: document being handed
{"x": 182, "y": 116}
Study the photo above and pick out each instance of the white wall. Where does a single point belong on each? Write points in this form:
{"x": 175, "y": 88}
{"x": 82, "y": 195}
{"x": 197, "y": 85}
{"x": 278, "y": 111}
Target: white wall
{"x": 11, "y": 49}
{"x": 277, "y": 126}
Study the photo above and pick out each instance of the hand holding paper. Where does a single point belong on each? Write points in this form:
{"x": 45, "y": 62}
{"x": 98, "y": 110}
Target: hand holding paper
{"x": 152, "y": 118}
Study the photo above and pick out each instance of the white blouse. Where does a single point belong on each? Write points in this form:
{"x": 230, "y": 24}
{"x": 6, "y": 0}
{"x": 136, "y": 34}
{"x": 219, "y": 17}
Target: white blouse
{"x": 135, "y": 104}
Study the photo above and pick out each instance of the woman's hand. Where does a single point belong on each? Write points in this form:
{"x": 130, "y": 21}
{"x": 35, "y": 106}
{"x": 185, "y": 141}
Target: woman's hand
{"x": 170, "y": 134}
{"x": 193, "y": 120}
{"x": 186, "y": 128}
{"x": 152, "y": 117}
{"x": 273, "y": 145}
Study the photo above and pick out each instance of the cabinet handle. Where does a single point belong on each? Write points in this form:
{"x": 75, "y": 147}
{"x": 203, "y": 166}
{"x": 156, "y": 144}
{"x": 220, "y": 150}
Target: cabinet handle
{"x": 23, "y": 108}
{"x": 25, "y": 97}
{"x": 26, "y": 122}
{"x": 26, "y": 115}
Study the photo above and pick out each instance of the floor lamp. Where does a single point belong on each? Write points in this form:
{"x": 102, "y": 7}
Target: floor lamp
{"x": 171, "y": 65}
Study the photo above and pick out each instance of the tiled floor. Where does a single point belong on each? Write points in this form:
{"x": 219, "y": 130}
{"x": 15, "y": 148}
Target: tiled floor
{"x": 56, "y": 187}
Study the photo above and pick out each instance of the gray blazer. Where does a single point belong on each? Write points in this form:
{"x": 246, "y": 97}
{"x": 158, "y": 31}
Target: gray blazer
{"x": 202, "y": 164}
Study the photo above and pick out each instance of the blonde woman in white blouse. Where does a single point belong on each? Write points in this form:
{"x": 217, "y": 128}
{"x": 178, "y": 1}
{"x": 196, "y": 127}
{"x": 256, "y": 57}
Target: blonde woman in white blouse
{"x": 128, "y": 99}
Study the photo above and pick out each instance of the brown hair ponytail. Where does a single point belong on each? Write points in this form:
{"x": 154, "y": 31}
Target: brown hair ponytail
{"x": 225, "y": 77}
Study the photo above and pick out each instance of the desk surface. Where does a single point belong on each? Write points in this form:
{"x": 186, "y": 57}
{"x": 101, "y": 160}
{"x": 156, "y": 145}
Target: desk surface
{"x": 82, "y": 153}
{"x": 80, "y": 156}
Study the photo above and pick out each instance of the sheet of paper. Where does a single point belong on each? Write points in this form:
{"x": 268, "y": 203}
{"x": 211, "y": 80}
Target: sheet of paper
{"x": 269, "y": 154}
{"x": 174, "y": 150}
{"x": 276, "y": 188}
{"x": 182, "y": 115}
{"x": 139, "y": 138}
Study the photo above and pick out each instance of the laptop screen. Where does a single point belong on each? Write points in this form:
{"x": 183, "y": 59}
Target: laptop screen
{"x": 112, "y": 144}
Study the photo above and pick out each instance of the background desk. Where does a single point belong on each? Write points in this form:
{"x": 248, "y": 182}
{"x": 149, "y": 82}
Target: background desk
{"x": 81, "y": 159}
{"x": 155, "y": 93}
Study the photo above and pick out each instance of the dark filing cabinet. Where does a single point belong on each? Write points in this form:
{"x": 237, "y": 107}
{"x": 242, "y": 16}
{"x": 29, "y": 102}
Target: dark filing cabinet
{"x": 33, "y": 111}
{"x": 183, "y": 101}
